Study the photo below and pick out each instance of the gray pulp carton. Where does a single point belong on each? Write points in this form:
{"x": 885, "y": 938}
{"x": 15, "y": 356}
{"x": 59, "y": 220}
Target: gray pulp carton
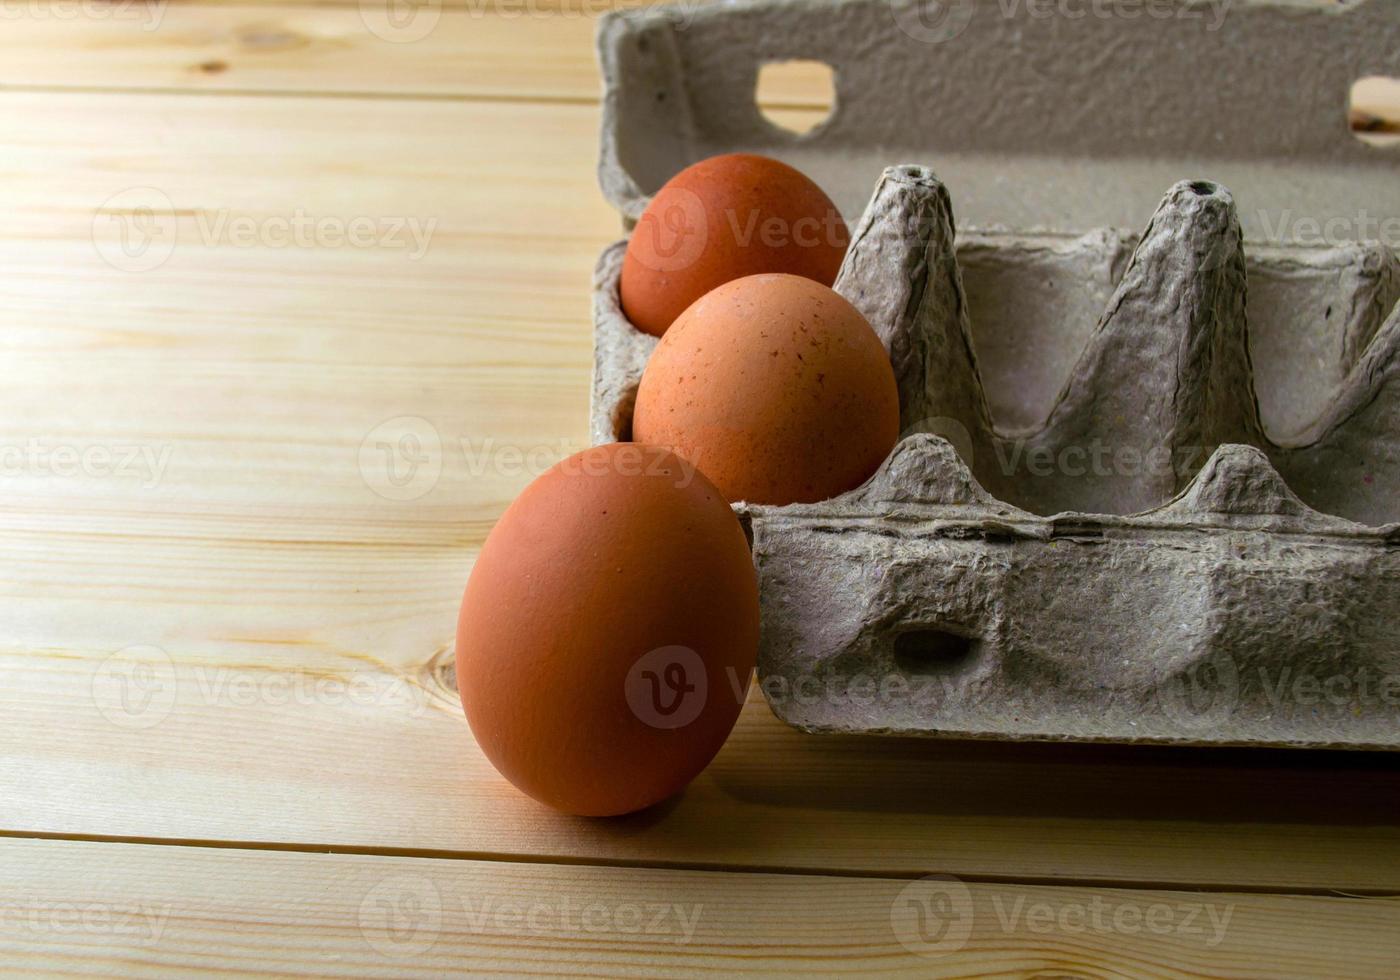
{"x": 1148, "y": 489}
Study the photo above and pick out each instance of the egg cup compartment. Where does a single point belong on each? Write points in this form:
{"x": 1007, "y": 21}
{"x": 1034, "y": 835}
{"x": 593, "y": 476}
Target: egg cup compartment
{"x": 1131, "y": 566}
{"x": 1148, "y": 488}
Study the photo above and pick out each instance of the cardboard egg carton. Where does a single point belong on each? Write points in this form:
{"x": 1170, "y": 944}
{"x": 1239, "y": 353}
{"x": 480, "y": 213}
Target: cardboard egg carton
{"x": 1148, "y": 489}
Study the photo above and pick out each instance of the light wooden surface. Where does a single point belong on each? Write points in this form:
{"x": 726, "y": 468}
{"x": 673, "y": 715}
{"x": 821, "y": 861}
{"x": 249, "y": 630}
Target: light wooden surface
{"x": 185, "y": 910}
{"x": 282, "y": 627}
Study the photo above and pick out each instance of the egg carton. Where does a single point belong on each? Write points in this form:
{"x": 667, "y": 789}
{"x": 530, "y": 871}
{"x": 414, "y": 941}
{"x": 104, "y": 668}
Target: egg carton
{"x": 1097, "y": 528}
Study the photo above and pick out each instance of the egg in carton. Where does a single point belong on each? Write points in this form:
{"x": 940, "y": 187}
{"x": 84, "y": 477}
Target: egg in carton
{"x": 1171, "y": 522}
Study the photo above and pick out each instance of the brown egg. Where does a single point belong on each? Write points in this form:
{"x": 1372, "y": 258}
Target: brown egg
{"x": 722, "y": 219}
{"x": 608, "y": 631}
{"x": 776, "y": 387}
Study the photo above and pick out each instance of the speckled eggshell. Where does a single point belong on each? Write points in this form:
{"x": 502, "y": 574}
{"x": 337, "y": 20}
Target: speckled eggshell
{"x": 776, "y": 387}
{"x": 608, "y": 631}
{"x": 722, "y": 219}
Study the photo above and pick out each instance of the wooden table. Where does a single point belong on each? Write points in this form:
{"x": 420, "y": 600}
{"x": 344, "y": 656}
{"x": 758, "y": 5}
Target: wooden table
{"x": 230, "y": 740}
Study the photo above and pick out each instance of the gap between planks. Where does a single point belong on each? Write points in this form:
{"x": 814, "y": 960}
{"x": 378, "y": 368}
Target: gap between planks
{"x": 790, "y": 871}
{"x": 795, "y": 110}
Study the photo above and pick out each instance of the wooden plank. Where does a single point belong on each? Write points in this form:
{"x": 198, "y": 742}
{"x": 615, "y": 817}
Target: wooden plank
{"x": 104, "y": 908}
{"x": 308, "y": 48}
{"x": 307, "y": 617}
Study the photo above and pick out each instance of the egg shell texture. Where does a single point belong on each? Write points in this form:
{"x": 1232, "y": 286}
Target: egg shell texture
{"x": 776, "y": 387}
{"x": 607, "y": 570}
{"x": 722, "y": 219}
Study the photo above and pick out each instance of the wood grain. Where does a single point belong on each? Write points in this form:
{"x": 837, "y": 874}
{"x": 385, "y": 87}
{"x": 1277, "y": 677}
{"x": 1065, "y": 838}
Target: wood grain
{"x": 471, "y": 49}
{"x": 307, "y": 618}
{"x": 229, "y": 620}
{"x": 90, "y": 907}
{"x": 307, "y": 48}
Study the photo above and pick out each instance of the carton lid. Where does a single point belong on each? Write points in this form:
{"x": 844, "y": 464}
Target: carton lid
{"x": 1059, "y": 117}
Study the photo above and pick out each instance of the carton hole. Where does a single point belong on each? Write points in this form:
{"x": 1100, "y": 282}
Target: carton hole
{"x": 746, "y": 522}
{"x": 796, "y": 96}
{"x": 1374, "y": 111}
{"x": 933, "y": 652}
{"x": 622, "y": 416}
